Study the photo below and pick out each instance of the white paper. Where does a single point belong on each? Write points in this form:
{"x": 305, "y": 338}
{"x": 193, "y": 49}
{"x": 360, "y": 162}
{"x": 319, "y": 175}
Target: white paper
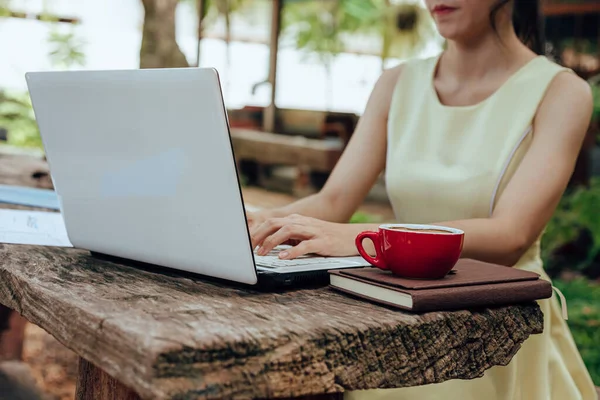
{"x": 39, "y": 227}
{"x": 33, "y": 227}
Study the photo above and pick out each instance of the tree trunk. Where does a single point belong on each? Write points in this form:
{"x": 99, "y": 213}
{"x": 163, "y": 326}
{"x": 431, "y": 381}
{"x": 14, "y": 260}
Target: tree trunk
{"x": 159, "y": 45}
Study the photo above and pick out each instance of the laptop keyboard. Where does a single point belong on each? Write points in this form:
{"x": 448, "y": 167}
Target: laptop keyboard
{"x": 272, "y": 260}
{"x": 275, "y": 262}
{"x": 272, "y": 263}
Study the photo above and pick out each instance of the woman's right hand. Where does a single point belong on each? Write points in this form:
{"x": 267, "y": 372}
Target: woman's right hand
{"x": 257, "y": 218}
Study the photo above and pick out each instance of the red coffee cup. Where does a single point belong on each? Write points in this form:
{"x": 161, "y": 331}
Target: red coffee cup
{"x": 414, "y": 251}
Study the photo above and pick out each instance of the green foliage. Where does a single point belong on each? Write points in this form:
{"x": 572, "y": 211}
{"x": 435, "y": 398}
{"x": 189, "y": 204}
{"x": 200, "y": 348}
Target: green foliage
{"x": 360, "y": 16}
{"x": 585, "y": 202}
{"x": 322, "y": 27}
{"x": 346, "y": 16}
{"x": 595, "y": 85}
{"x": 243, "y": 180}
{"x": 581, "y": 45}
{"x": 364, "y": 218}
{"x": 5, "y": 8}
{"x": 16, "y": 115}
{"x": 67, "y": 49}
{"x": 316, "y": 28}
{"x": 584, "y": 320}
{"x": 408, "y": 28}
{"x": 576, "y": 213}
{"x": 218, "y": 8}
{"x": 4, "y": 11}
{"x": 596, "y": 95}
{"x": 16, "y": 112}
{"x": 563, "y": 228}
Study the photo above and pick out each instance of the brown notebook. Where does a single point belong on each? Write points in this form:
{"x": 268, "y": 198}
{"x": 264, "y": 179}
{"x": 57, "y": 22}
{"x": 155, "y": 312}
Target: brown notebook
{"x": 471, "y": 284}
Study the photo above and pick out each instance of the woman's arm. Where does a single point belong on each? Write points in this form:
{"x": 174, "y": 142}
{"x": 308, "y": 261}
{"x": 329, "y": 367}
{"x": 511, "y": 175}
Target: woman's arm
{"x": 360, "y": 164}
{"x": 531, "y": 196}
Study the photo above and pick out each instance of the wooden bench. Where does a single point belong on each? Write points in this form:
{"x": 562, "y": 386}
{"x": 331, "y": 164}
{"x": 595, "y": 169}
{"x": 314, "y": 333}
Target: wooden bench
{"x": 150, "y": 333}
{"x": 308, "y": 154}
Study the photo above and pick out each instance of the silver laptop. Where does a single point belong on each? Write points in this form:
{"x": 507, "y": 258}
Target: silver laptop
{"x": 143, "y": 165}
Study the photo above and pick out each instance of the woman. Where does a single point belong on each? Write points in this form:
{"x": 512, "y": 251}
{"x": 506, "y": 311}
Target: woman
{"x": 483, "y": 138}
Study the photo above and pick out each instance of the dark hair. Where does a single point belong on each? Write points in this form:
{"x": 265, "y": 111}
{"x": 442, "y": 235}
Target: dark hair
{"x": 527, "y": 21}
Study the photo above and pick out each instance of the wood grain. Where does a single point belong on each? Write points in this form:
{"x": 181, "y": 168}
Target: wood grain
{"x": 95, "y": 384}
{"x": 168, "y": 335}
{"x": 13, "y": 337}
{"x": 22, "y": 170}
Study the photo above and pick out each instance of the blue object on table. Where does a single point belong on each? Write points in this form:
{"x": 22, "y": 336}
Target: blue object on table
{"x": 27, "y": 196}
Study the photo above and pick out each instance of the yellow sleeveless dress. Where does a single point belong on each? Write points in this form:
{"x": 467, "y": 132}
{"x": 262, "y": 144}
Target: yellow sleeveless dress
{"x": 449, "y": 163}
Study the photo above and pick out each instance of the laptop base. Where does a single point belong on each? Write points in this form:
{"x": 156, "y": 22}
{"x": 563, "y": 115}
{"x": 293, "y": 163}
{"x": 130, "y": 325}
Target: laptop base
{"x": 267, "y": 281}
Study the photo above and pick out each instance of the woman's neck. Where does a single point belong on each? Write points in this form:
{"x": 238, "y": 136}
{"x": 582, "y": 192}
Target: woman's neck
{"x": 488, "y": 55}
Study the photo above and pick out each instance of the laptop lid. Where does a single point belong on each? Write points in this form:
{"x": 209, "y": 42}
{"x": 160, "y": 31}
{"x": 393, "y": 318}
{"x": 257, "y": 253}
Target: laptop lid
{"x": 143, "y": 165}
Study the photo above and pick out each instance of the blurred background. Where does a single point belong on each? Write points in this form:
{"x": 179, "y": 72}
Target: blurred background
{"x": 296, "y": 76}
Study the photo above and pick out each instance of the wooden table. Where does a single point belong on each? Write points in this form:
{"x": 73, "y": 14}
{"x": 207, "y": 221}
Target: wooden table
{"x": 159, "y": 334}
{"x": 25, "y": 169}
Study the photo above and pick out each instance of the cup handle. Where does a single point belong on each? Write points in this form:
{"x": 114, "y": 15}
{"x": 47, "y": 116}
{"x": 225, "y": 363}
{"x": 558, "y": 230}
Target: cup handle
{"x": 374, "y": 237}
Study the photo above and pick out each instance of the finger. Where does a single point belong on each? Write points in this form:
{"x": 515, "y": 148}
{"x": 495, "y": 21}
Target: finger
{"x": 285, "y": 233}
{"x": 302, "y": 248}
{"x": 249, "y": 218}
{"x": 264, "y": 230}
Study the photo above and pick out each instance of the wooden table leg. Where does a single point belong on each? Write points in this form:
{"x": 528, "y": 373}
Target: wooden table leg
{"x": 4, "y": 317}
{"x": 333, "y": 396}
{"x": 12, "y": 333}
{"x": 95, "y": 384}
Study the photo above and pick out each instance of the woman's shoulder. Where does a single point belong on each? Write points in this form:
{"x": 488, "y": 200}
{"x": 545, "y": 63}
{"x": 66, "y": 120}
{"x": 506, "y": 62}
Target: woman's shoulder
{"x": 407, "y": 70}
{"x": 543, "y": 79}
{"x": 545, "y": 65}
{"x": 564, "y": 82}
{"x": 421, "y": 65}
{"x": 567, "y": 101}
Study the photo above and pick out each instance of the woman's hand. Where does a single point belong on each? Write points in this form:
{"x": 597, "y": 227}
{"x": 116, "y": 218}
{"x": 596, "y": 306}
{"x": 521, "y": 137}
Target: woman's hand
{"x": 256, "y": 218}
{"x": 306, "y": 235}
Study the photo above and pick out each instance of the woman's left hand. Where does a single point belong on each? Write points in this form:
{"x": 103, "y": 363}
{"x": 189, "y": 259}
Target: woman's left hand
{"x": 306, "y": 235}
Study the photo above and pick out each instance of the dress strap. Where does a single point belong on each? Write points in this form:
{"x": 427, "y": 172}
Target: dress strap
{"x": 563, "y": 303}
{"x": 505, "y": 167}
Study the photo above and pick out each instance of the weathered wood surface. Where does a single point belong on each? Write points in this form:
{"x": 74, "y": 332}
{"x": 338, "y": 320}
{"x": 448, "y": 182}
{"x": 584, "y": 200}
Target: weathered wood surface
{"x": 170, "y": 335}
{"x": 21, "y": 170}
{"x": 270, "y": 148}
